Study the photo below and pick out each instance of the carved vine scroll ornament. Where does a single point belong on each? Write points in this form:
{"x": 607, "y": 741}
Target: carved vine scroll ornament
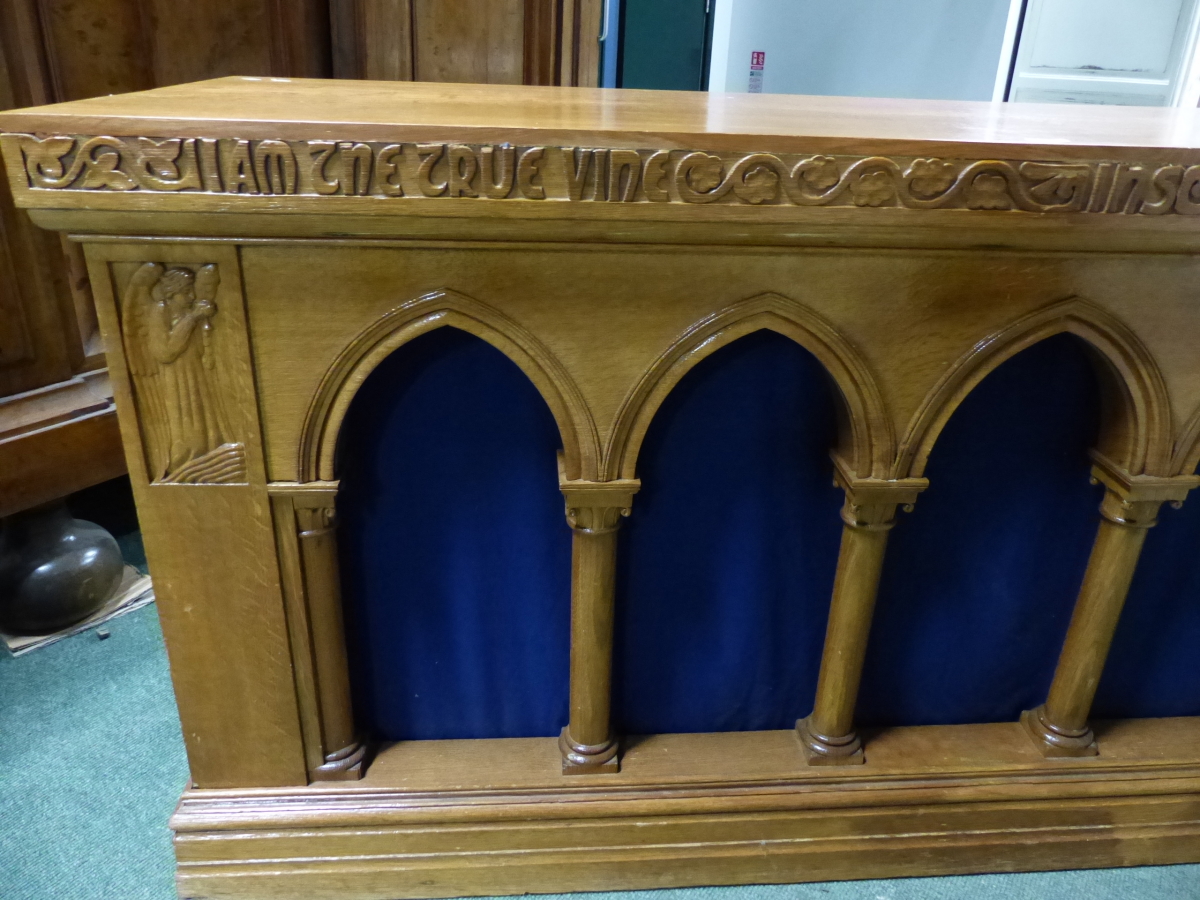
{"x": 576, "y": 174}
{"x": 167, "y": 319}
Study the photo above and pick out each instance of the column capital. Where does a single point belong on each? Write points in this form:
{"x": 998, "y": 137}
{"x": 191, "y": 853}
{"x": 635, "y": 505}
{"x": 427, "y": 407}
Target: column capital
{"x": 1133, "y": 500}
{"x": 871, "y": 502}
{"x": 596, "y": 507}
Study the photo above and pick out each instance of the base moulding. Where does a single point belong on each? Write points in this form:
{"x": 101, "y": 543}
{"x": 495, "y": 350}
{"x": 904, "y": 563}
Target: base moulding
{"x": 487, "y": 817}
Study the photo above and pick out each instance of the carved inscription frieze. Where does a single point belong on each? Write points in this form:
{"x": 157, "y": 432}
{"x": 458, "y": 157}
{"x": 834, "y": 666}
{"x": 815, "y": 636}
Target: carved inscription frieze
{"x": 167, "y": 320}
{"x": 505, "y": 172}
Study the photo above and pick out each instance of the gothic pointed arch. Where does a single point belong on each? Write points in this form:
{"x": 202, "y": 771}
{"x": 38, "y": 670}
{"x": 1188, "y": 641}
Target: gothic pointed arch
{"x": 446, "y": 309}
{"x": 866, "y": 442}
{"x": 1136, "y": 419}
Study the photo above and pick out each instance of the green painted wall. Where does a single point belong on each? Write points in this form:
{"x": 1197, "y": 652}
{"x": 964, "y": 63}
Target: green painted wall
{"x": 663, "y": 44}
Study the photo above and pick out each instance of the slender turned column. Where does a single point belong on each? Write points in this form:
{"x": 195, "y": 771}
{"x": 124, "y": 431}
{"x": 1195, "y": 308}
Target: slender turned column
{"x": 827, "y": 735}
{"x": 1059, "y": 726}
{"x": 342, "y": 750}
{"x": 594, "y": 512}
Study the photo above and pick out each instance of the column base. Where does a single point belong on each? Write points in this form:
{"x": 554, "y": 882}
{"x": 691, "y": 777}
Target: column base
{"x": 821, "y": 750}
{"x": 588, "y": 759}
{"x": 344, "y": 765}
{"x": 1054, "y": 742}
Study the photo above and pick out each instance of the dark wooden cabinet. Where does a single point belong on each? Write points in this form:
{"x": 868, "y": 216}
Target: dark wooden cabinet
{"x": 481, "y": 41}
{"x": 58, "y": 429}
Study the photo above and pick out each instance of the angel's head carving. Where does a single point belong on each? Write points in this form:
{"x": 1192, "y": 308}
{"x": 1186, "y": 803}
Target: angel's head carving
{"x": 181, "y": 290}
{"x": 177, "y": 288}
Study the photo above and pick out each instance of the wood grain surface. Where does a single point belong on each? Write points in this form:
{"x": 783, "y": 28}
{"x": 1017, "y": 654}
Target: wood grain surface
{"x": 258, "y": 247}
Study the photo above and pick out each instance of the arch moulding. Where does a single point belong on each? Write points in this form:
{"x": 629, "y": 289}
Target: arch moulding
{"x": 866, "y": 441}
{"x": 445, "y": 309}
{"x": 1136, "y": 417}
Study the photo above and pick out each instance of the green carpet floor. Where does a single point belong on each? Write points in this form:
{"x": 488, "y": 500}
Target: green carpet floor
{"x": 92, "y": 762}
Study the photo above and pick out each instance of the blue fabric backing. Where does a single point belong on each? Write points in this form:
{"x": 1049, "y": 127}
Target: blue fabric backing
{"x": 727, "y": 563}
{"x": 980, "y": 579}
{"x": 456, "y": 557}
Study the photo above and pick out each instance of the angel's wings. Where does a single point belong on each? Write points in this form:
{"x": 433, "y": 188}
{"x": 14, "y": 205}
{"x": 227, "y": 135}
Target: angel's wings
{"x": 136, "y": 310}
{"x": 137, "y": 307}
{"x": 207, "y": 280}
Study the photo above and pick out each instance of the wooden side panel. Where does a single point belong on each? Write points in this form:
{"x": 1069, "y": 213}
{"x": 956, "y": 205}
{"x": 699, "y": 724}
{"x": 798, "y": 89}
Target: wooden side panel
{"x": 226, "y": 632}
{"x": 211, "y": 546}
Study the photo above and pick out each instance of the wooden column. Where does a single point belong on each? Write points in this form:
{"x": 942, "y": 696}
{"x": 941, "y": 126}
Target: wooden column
{"x": 306, "y": 522}
{"x": 827, "y": 735}
{"x": 594, "y": 512}
{"x": 1130, "y": 506}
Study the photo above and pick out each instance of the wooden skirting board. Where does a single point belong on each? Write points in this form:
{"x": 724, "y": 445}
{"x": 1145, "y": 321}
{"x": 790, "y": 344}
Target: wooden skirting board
{"x": 699, "y": 809}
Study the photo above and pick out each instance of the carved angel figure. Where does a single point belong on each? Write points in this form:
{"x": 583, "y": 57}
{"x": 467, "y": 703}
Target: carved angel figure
{"x": 167, "y": 316}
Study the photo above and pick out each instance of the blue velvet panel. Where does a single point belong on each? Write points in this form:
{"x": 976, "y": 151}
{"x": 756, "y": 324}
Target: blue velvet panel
{"x": 726, "y": 565}
{"x": 456, "y": 557}
{"x": 980, "y": 579}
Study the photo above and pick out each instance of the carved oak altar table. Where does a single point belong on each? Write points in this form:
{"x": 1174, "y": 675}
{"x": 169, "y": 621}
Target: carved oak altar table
{"x": 258, "y": 246}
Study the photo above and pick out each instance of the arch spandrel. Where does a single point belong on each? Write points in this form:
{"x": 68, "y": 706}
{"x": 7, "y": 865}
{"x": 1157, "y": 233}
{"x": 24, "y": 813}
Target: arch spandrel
{"x": 1186, "y": 458}
{"x": 1136, "y": 419}
{"x": 866, "y": 441}
{"x": 446, "y": 309}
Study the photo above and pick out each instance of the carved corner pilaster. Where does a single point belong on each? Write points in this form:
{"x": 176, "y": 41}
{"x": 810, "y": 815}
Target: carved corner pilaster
{"x": 829, "y": 750}
{"x": 1056, "y": 742}
{"x": 306, "y": 532}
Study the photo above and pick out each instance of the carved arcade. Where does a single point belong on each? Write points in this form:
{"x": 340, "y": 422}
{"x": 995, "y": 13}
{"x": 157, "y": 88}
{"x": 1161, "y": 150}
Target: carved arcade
{"x": 505, "y": 172}
{"x": 606, "y": 272}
